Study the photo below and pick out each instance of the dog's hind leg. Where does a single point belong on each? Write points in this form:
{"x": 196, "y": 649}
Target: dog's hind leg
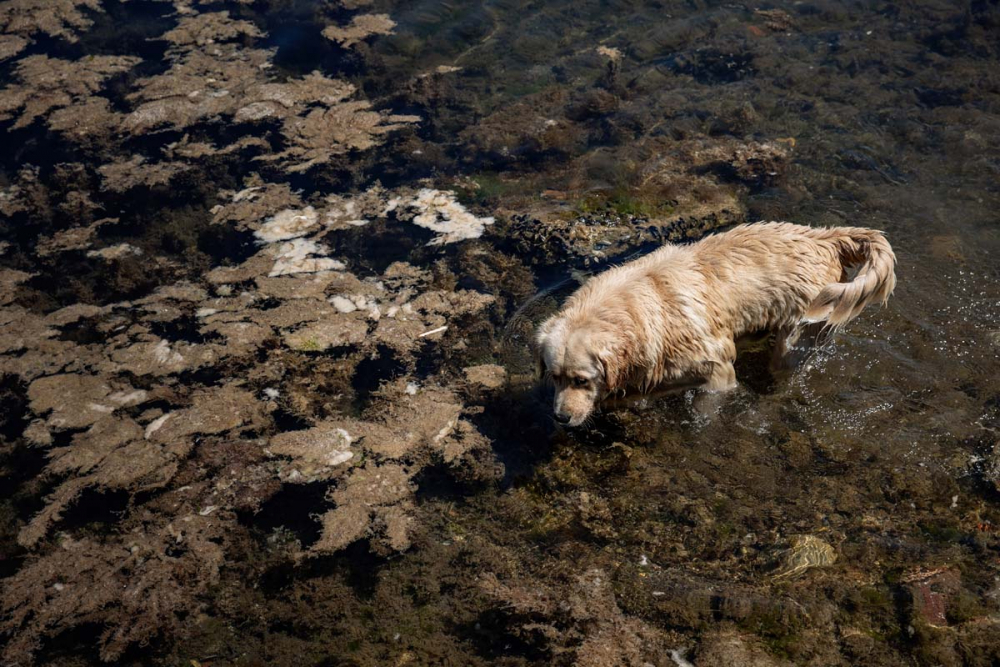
{"x": 782, "y": 358}
{"x": 793, "y": 345}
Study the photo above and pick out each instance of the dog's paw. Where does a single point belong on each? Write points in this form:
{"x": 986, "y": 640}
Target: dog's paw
{"x": 707, "y": 404}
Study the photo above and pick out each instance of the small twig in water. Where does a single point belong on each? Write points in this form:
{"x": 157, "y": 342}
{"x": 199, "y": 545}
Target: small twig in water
{"x": 433, "y": 331}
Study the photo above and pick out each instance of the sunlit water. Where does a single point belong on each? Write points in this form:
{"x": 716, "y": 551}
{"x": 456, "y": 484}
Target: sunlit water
{"x": 655, "y": 530}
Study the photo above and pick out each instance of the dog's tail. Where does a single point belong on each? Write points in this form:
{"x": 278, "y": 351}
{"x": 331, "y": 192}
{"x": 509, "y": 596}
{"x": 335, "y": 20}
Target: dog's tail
{"x": 868, "y": 250}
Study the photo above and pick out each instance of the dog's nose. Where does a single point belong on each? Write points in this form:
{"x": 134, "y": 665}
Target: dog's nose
{"x": 563, "y": 419}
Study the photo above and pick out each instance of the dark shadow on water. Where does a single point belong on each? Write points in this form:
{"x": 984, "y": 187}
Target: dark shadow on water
{"x": 371, "y": 249}
{"x": 78, "y": 279}
{"x": 492, "y": 635}
{"x": 356, "y": 564}
{"x": 14, "y": 411}
{"x": 95, "y": 511}
{"x": 129, "y": 27}
{"x": 293, "y": 509}
{"x": 381, "y": 366}
{"x": 712, "y": 66}
{"x": 185, "y": 328}
{"x": 285, "y": 421}
{"x": 84, "y": 331}
{"x": 519, "y": 425}
{"x": 76, "y": 646}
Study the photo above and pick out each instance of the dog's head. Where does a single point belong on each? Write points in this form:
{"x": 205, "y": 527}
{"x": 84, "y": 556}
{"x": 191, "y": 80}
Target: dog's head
{"x": 583, "y": 364}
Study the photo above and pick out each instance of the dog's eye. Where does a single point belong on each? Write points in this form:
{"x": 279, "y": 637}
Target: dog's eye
{"x": 580, "y": 382}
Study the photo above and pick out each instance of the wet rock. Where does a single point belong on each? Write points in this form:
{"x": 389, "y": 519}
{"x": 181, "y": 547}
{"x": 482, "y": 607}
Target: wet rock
{"x": 319, "y": 119}
{"x": 212, "y": 411}
{"x": 754, "y": 163}
{"x": 287, "y": 224}
{"x": 75, "y": 238}
{"x": 374, "y": 460}
{"x": 157, "y": 357}
{"x": 595, "y": 515}
{"x": 9, "y": 280}
{"x": 24, "y": 193}
{"x": 325, "y": 133}
{"x": 140, "y": 586}
{"x": 117, "y": 453}
{"x": 316, "y": 452}
{"x": 250, "y": 207}
{"x": 302, "y": 256}
{"x": 115, "y": 252}
{"x": 777, "y": 20}
{"x": 373, "y": 501}
{"x": 347, "y": 211}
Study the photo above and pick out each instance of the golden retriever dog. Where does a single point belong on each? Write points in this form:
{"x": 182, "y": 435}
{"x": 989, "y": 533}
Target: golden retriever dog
{"x": 670, "y": 319}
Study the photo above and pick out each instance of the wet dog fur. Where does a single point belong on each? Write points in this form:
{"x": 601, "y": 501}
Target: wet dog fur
{"x": 670, "y": 320}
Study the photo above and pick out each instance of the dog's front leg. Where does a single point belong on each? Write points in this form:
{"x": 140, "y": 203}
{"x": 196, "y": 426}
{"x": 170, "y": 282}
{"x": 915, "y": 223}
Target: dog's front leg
{"x": 721, "y": 378}
{"x": 711, "y": 394}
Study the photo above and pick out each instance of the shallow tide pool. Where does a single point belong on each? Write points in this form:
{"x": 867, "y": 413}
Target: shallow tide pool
{"x": 269, "y": 271}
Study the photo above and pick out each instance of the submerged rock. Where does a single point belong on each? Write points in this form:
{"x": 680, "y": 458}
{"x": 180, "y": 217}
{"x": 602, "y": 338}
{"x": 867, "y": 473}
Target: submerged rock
{"x": 733, "y": 648}
{"x": 208, "y": 28}
{"x": 11, "y": 45}
{"x": 932, "y": 594}
{"x": 489, "y": 376}
{"x": 314, "y": 451}
{"x": 806, "y": 552}
{"x": 56, "y": 18}
{"x": 73, "y": 401}
{"x": 47, "y": 85}
{"x": 127, "y": 173}
{"x": 327, "y": 333}
{"x": 360, "y": 27}
{"x": 582, "y": 617}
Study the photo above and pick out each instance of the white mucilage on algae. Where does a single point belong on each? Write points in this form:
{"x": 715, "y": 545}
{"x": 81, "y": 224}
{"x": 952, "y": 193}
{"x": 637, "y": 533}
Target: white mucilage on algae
{"x": 440, "y": 212}
{"x": 303, "y": 256}
{"x": 287, "y": 224}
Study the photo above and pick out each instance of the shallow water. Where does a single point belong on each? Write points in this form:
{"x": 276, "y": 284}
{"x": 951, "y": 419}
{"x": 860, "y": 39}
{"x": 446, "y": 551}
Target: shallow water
{"x": 210, "y": 463}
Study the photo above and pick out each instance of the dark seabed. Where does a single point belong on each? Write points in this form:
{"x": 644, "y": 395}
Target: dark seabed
{"x": 269, "y": 269}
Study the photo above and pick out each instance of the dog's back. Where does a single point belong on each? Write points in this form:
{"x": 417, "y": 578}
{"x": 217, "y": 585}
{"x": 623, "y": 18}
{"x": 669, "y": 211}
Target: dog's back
{"x": 777, "y": 274}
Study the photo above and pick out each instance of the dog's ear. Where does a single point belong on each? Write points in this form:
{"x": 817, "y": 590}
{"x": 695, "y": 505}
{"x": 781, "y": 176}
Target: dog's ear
{"x": 539, "y": 362}
{"x": 613, "y": 366}
{"x": 538, "y": 344}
